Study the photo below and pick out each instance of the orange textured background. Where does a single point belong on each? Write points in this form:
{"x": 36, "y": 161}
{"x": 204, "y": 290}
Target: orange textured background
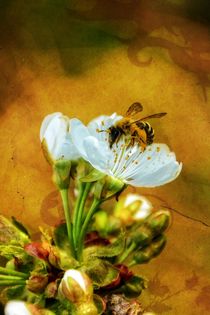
{"x": 86, "y": 58}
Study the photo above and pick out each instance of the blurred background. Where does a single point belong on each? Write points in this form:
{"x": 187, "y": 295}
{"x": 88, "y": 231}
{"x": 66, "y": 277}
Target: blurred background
{"x": 91, "y": 57}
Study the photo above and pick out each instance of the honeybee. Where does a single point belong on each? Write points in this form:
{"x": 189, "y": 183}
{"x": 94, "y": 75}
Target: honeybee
{"x": 139, "y": 130}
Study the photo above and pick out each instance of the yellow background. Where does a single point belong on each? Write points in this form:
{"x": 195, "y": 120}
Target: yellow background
{"x": 86, "y": 58}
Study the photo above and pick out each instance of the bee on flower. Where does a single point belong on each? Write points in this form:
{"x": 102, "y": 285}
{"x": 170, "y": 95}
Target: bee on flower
{"x": 152, "y": 166}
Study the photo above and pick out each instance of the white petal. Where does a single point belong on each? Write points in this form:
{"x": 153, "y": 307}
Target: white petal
{"x": 148, "y": 161}
{"x": 77, "y": 276}
{"x": 165, "y": 174}
{"x": 55, "y": 135}
{"x": 16, "y": 308}
{"x": 97, "y": 154}
{"x": 104, "y": 121}
{"x": 66, "y": 149}
{"x": 46, "y": 122}
{"x": 78, "y": 134}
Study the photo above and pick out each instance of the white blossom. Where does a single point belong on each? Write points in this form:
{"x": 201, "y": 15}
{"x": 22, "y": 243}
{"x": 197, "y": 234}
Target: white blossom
{"x": 154, "y": 166}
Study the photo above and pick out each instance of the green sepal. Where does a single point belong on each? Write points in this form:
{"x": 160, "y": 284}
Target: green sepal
{"x": 46, "y": 153}
{"x": 100, "y": 271}
{"x": 133, "y": 287}
{"x": 98, "y": 188}
{"x": 113, "y": 186}
{"x": 61, "y": 173}
{"x": 93, "y": 176}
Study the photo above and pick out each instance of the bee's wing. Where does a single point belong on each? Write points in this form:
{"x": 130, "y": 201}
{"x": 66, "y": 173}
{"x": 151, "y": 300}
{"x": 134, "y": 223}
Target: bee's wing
{"x": 158, "y": 115}
{"x": 134, "y": 109}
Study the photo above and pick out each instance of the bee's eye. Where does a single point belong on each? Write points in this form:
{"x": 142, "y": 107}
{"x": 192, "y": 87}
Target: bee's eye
{"x": 115, "y": 132}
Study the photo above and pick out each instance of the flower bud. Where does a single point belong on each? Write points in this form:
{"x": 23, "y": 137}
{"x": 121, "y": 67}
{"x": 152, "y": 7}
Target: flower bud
{"x": 58, "y": 147}
{"x": 142, "y": 237}
{"x": 51, "y": 289}
{"x": 56, "y": 138}
{"x": 76, "y": 286}
{"x": 159, "y": 221}
{"x": 132, "y": 208}
{"x": 153, "y": 226}
{"x": 37, "y": 283}
{"x": 147, "y": 253}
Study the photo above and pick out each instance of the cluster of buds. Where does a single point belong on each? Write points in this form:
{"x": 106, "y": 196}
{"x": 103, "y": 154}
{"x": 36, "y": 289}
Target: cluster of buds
{"x": 149, "y": 239}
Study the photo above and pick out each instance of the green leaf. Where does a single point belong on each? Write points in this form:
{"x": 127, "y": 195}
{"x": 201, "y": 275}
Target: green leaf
{"x": 61, "y": 238}
{"x": 113, "y": 249}
{"x": 46, "y": 235}
{"x": 108, "y": 251}
{"x": 20, "y": 226}
{"x": 66, "y": 262}
{"x": 10, "y": 234}
{"x": 11, "y": 251}
{"x": 101, "y": 272}
{"x": 65, "y": 259}
{"x": 133, "y": 287}
{"x": 15, "y": 293}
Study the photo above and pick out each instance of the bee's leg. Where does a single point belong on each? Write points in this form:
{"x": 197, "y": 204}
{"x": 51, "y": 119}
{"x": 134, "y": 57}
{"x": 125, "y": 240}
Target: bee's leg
{"x": 142, "y": 143}
{"x": 118, "y": 138}
{"x": 132, "y": 141}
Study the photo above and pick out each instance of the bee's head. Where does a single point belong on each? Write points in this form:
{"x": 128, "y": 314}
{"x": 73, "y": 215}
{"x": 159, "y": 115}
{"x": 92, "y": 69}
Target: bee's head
{"x": 113, "y": 135}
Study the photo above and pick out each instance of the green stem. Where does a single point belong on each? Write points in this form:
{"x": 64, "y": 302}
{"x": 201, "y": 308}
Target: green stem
{"x": 12, "y": 282}
{"x": 5, "y": 277}
{"x": 76, "y": 209}
{"x": 91, "y": 212}
{"x": 65, "y": 200}
{"x": 126, "y": 252}
{"x": 81, "y": 209}
{"x": 10, "y": 272}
